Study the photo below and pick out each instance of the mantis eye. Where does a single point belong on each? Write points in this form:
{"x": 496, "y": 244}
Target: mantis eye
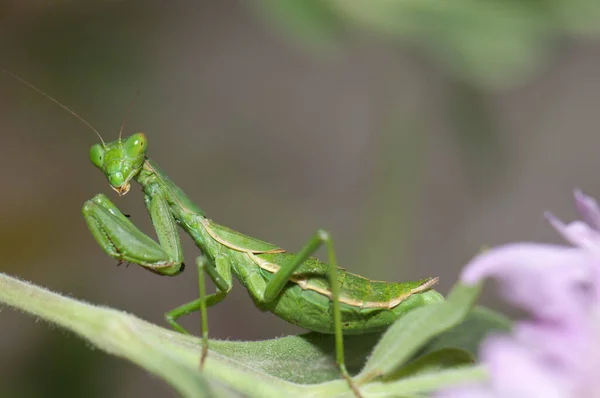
{"x": 97, "y": 155}
{"x": 135, "y": 145}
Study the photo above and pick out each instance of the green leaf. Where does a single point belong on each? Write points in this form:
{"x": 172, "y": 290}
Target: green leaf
{"x": 109, "y": 330}
{"x": 169, "y": 355}
{"x": 306, "y": 359}
{"x": 294, "y": 366}
{"x": 410, "y": 333}
{"x": 420, "y": 384}
{"x": 469, "y": 334}
{"x": 432, "y": 362}
{"x": 272, "y": 368}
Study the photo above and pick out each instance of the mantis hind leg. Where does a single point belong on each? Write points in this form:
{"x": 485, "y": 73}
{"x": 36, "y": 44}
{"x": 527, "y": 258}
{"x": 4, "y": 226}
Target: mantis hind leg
{"x": 202, "y": 302}
{"x": 281, "y": 278}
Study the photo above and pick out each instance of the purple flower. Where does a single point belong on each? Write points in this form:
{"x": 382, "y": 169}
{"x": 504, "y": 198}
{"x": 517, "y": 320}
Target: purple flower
{"x": 555, "y": 353}
{"x": 586, "y": 233}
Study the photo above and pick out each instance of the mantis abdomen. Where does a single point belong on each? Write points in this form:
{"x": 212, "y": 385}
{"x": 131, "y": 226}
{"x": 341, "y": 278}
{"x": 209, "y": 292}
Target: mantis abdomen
{"x": 366, "y": 306}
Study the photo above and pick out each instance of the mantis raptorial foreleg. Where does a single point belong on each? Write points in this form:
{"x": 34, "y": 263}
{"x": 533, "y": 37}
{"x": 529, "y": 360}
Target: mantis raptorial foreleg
{"x": 122, "y": 240}
{"x": 282, "y": 277}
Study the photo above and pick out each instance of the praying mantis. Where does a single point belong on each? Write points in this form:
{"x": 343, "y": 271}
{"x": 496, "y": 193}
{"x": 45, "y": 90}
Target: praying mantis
{"x": 298, "y": 288}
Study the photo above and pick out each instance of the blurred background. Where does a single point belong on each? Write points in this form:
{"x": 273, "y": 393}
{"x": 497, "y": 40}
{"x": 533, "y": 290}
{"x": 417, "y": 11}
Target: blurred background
{"x": 415, "y": 131}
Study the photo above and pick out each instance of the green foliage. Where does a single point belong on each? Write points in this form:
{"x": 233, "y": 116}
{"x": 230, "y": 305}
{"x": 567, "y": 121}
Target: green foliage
{"x": 405, "y": 360}
{"x": 485, "y": 42}
{"x": 405, "y": 338}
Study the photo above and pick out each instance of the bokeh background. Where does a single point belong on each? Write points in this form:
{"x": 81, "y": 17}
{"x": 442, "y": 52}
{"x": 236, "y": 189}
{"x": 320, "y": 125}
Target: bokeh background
{"x": 415, "y": 131}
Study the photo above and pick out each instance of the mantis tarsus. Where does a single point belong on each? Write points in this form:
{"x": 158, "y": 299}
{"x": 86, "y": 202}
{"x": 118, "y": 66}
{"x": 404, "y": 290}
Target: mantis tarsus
{"x": 314, "y": 295}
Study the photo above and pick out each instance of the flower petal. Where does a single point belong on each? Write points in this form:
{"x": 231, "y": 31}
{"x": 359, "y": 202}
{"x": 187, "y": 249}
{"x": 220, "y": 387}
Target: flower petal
{"x": 553, "y": 282}
{"x": 578, "y": 233}
{"x": 558, "y": 348}
{"x": 516, "y": 372}
{"x": 588, "y": 208}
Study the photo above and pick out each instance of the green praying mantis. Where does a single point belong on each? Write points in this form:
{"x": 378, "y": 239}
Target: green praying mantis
{"x": 298, "y": 288}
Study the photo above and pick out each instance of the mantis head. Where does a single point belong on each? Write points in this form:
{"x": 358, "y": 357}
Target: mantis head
{"x": 120, "y": 160}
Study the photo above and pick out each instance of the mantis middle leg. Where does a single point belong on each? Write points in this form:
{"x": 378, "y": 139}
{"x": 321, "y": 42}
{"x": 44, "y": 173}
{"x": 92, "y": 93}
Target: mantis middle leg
{"x": 220, "y": 274}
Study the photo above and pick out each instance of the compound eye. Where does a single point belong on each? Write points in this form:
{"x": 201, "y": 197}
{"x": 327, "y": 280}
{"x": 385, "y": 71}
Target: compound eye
{"x": 97, "y": 155}
{"x": 135, "y": 145}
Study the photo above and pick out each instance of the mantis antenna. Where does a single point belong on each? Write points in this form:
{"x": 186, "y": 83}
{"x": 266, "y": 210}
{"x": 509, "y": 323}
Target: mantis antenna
{"x": 31, "y": 86}
{"x": 127, "y": 113}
